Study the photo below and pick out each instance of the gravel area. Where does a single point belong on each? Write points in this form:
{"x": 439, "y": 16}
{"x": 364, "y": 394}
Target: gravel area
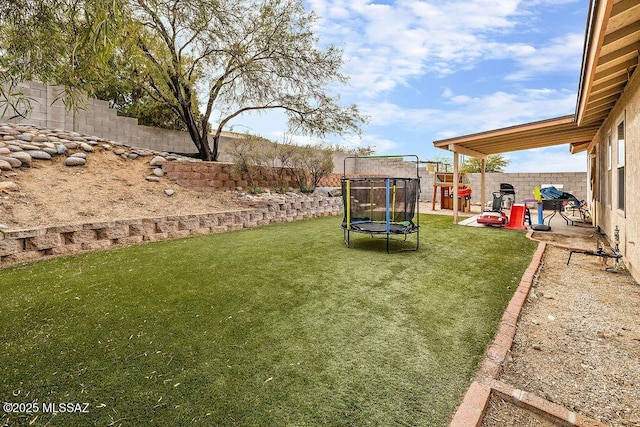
{"x": 501, "y": 413}
{"x": 578, "y": 341}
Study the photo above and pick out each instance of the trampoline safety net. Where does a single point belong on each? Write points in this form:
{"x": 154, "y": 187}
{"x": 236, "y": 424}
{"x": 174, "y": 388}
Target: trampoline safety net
{"x": 380, "y": 206}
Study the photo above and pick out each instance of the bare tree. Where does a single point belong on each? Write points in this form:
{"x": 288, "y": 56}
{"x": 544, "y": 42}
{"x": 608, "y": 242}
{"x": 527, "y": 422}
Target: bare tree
{"x": 208, "y": 61}
{"x": 242, "y": 56}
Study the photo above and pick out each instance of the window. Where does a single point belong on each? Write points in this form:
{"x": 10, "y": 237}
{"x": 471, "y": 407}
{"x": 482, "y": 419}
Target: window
{"x": 620, "y": 165}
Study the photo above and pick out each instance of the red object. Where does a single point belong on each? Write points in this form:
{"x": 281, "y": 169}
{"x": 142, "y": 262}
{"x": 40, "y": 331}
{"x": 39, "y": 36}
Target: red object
{"x": 516, "y": 221}
{"x": 498, "y": 219}
{"x": 464, "y": 192}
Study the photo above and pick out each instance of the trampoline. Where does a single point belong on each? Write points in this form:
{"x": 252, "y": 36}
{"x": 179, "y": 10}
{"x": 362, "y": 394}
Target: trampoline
{"x": 382, "y": 206}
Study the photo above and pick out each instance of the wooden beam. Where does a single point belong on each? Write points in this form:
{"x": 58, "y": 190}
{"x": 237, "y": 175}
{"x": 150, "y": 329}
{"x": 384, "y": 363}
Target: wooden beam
{"x": 466, "y": 151}
{"x": 628, "y": 31}
{"x": 483, "y": 190}
{"x": 455, "y": 187}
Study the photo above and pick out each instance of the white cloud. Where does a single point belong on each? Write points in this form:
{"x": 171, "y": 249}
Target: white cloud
{"x": 425, "y": 47}
{"x": 385, "y": 45}
{"x": 474, "y": 114}
{"x": 562, "y": 54}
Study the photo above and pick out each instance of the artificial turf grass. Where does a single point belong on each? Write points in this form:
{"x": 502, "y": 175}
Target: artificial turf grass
{"x": 281, "y": 325}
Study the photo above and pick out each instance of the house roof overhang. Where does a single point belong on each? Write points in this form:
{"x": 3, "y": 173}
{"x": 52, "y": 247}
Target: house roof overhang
{"x": 610, "y": 57}
{"x": 544, "y": 133}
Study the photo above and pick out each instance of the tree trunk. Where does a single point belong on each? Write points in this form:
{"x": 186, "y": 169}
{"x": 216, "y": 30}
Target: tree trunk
{"x": 205, "y": 152}
{"x": 216, "y": 140}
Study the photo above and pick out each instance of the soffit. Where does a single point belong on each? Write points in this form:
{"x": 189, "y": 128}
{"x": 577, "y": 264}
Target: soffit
{"x": 544, "y": 133}
{"x": 610, "y": 58}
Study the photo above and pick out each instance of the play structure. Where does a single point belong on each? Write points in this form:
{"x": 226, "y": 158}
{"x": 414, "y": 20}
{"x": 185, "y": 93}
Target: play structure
{"x": 443, "y": 186}
{"x": 382, "y": 206}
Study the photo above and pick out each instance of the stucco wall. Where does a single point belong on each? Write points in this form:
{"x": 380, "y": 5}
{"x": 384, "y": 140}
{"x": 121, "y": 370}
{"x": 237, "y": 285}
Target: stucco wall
{"x": 607, "y": 215}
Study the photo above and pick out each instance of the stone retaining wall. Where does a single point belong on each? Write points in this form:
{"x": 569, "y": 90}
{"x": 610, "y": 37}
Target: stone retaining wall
{"x": 98, "y": 119}
{"x": 216, "y": 176}
{"x": 18, "y": 246}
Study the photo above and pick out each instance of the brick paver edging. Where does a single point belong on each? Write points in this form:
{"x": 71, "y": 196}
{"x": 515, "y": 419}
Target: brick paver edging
{"x": 474, "y": 404}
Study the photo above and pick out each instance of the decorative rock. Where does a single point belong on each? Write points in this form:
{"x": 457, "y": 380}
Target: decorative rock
{"x": 40, "y": 155}
{"x": 151, "y": 178}
{"x": 4, "y": 150}
{"x": 50, "y": 151}
{"x": 61, "y": 149}
{"x": 15, "y": 163}
{"x": 133, "y": 156}
{"x": 29, "y": 147}
{"x": 80, "y": 154}
{"x": 119, "y": 151}
{"x": 74, "y": 161}
{"x": 9, "y": 186}
{"x": 169, "y": 192}
{"x": 70, "y": 145}
{"x": 40, "y": 138}
{"x": 24, "y": 157}
{"x": 158, "y": 172}
{"x": 86, "y": 147}
{"x": 106, "y": 147}
{"x": 158, "y": 161}
{"x": 15, "y": 148}
{"x": 24, "y": 137}
{"x": 6, "y": 166}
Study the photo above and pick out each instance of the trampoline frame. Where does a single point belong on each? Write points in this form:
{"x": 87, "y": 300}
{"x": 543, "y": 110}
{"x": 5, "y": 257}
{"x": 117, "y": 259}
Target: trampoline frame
{"x": 389, "y": 227}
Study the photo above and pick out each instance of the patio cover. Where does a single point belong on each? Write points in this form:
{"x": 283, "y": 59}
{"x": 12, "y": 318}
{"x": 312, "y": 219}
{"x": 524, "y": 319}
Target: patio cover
{"x": 544, "y": 133}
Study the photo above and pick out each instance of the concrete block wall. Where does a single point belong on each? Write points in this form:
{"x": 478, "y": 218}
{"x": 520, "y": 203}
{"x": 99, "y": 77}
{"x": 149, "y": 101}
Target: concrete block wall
{"x": 362, "y": 167}
{"x": 98, "y": 119}
{"x": 391, "y": 167}
{"x": 523, "y": 182}
{"x": 18, "y": 246}
{"x": 571, "y": 182}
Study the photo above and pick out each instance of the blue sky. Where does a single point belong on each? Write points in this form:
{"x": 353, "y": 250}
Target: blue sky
{"x": 429, "y": 70}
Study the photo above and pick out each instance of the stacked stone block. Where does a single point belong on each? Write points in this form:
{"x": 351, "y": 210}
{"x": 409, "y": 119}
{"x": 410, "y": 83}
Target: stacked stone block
{"x": 216, "y": 176}
{"x": 27, "y": 245}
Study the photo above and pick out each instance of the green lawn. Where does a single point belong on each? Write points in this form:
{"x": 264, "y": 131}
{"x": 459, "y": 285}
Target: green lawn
{"x": 276, "y": 326}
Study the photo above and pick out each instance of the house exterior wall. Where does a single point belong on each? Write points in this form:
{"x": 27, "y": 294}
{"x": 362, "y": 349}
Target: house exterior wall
{"x": 604, "y": 191}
